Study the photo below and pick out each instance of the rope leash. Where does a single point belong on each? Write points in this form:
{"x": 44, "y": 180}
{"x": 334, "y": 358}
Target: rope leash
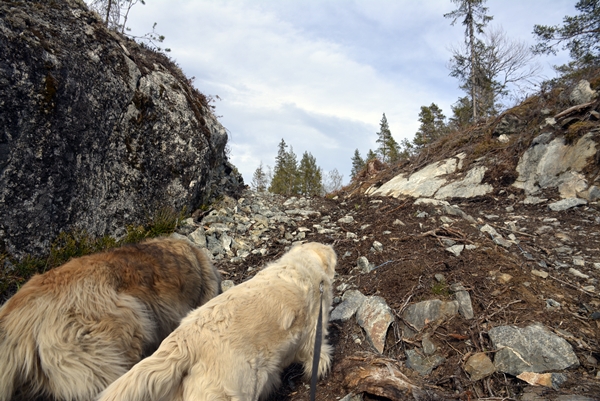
{"x": 317, "y": 349}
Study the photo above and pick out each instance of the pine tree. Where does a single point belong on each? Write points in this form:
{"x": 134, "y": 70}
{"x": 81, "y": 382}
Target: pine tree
{"x": 579, "y": 34}
{"x": 259, "y": 179}
{"x": 285, "y": 172}
{"x": 388, "y": 147}
{"x": 433, "y": 125}
{"x": 357, "y": 164}
{"x": 310, "y": 176}
{"x": 393, "y": 150}
{"x": 383, "y": 139}
{"x": 371, "y": 155}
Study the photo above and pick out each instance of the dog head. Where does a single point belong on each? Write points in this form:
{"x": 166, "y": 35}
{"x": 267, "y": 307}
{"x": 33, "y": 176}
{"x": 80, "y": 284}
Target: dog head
{"x": 325, "y": 253}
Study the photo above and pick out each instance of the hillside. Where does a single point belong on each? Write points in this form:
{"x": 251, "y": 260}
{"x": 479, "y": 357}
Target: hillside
{"x": 509, "y": 261}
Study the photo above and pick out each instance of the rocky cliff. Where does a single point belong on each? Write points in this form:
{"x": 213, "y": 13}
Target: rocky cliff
{"x": 97, "y": 132}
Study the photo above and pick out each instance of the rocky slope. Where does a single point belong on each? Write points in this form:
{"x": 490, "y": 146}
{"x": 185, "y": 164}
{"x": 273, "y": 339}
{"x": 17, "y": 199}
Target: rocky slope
{"x": 471, "y": 300}
{"x": 96, "y": 132}
{"x": 469, "y": 273}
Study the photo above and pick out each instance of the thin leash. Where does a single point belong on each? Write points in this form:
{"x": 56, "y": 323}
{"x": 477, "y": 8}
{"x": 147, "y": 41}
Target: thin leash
{"x": 317, "y": 350}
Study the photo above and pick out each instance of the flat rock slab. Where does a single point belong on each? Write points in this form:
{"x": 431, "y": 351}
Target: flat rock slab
{"x": 351, "y": 301}
{"x": 375, "y": 317}
{"x": 417, "y": 315}
{"x": 424, "y": 364}
{"x": 530, "y": 349}
{"x": 565, "y": 204}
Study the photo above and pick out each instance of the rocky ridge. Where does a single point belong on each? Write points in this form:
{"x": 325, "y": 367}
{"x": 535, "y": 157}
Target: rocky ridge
{"x": 486, "y": 298}
{"x": 96, "y": 131}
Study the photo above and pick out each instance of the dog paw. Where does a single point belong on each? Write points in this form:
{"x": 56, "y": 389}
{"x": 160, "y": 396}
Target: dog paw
{"x": 325, "y": 360}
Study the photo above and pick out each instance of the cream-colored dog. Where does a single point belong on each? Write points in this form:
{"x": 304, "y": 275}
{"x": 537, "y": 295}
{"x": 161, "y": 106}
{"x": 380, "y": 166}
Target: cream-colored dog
{"x": 70, "y": 332}
{"x": 236, "y": 346}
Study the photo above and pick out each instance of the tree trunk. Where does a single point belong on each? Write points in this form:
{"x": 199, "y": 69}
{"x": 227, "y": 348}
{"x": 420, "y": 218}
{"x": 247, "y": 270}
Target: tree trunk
{"x": 108, "y": 7}
{"x": 471, "y": 29}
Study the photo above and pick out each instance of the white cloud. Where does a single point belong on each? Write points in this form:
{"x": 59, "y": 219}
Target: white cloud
{"x": 318, "y": 73}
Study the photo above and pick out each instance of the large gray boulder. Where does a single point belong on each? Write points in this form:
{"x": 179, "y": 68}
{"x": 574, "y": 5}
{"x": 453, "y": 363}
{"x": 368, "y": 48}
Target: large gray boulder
{"x": 96, "y": 132}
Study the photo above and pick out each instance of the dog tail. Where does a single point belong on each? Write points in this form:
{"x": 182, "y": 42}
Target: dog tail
{"x": 157, "y": 377}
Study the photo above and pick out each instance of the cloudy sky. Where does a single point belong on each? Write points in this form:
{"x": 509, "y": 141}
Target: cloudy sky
{"x": 320, "y": 73}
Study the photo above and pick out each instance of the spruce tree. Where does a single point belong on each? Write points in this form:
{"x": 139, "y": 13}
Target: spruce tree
{"x": 285, "y": 172}
{"x": 383, "y": 138}
{"x": 357, "y": 164}
{"x": 371, "y": 155}
{"x": 388, "y": 147}
{"x": 310, "y": 176}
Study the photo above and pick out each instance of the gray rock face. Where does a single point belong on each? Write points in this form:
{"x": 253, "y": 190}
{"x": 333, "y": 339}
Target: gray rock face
{"x": 97, "y": 132}
{"x": 375, "y": 317}
{"x": 530, "y": 349}
{"x": 422, "y": 363}
{"x": 582, "y": 93}
{"x": 351, "y": 301}
{"x": 551, "y": 164}
{"x": 565, "y": 204}
{"x": 418, "y": 314}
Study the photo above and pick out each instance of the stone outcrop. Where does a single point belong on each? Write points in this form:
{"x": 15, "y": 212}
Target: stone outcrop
{"x": 97, "y": 132}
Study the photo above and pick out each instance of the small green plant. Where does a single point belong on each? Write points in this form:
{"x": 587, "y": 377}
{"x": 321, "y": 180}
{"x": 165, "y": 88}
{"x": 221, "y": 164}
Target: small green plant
{"x": 441, "y": 288}
{"x": 68, "y": 245}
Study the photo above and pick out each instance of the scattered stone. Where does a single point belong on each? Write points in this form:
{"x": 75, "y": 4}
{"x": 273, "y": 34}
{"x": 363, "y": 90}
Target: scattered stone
{"x": 423, "y": 364}
{"x": 429, "y": 347}
{"x": 440, "y": 277}
{"x": 578, "y": 262}
{"x": 479, "y": 366}
{"x": 226, "y": 285}
{"x": 427, "y": 311}
{"x": 552, "y": 304}
{"x": 533, "y": 200}
{"x": 552, "y": 380}
{"x": 582, "y": 93}
{"x": 577, "y": 273}
{"x": 456, "y": 249}
{"x": 375, "y": 317}
{"x": 364, "y": 265}
{"x": 351, "y": 301}
{"x": 346, "y": 220}
{"x": 446, "y": 220}
{"x": 377, "y": 246}
{"x": 398, "y": 223}
{"x": 566, "y": 204}
{"x": 539, "y": 273}
{"x": 504, "y": 278}
{"x": 530, "y": 349}
{"x": 465, "y": 306}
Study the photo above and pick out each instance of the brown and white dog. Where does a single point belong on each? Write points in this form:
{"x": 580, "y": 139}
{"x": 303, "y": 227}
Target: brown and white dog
{"x": 70, "y": 332}
{"x": 236, "y": 346}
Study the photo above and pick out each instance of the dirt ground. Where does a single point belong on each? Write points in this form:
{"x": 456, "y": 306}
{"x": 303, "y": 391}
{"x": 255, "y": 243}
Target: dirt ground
{"x": 413, "y": 254}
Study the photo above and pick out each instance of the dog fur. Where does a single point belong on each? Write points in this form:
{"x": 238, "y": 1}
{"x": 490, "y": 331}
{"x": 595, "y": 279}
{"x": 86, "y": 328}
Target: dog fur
{"x": 70, "y": 332}
{"x": 236, "y": 346}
